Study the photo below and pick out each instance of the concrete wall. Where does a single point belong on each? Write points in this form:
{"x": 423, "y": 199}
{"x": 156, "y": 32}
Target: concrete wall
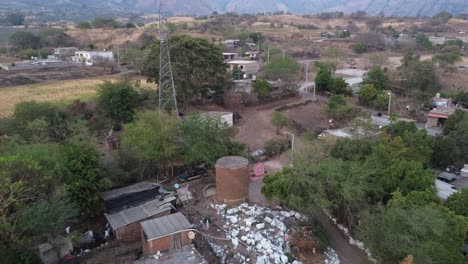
{"x": 164, "y": 243}
{"x": 432, "y": 122}
{"x": 132, "y": 232}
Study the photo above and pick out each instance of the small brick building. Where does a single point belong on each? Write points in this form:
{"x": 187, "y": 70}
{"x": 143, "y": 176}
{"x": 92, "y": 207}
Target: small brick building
{"x": 165, "y": 233}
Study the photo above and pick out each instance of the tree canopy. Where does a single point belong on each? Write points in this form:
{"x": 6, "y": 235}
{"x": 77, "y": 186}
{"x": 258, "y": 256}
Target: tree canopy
{"x": 197, "y": 65}
{"x": 118, "y": 101}
{"x": 377, "y": 78}
{"x": 206, "y": 139}
{"x": 280, "y": 121}
{"x": 286, "y": 69}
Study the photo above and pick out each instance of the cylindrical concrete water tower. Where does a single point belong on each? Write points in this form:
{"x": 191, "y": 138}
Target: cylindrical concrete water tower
{"x": 232, "y": 180}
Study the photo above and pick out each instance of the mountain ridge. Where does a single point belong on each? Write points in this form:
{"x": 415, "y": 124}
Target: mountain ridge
{"x": 203, "y": 7}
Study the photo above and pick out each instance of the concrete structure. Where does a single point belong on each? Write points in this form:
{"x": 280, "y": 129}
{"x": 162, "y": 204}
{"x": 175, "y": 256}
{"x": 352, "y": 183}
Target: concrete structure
{"x": 65, "y": 52}
{"x": 253, "y": 55}
{"x": 90, "y": 58}
{"x": 126, "y": 223}
{"x": 354, "y": 84}
{"x": 225, "y": 117}
{"x": 232, "y": 43}
{"x": 351, "y": 72}
{"x": 166, "y": 233}
{"x": 230, "y": 56}
{"x": 248, "y": 67}
{"x": 232, "y": 180}
{"x": 439, "y": 115}
{"x": 437, "y": 40}
{"x": 464, "y": 171}
{"x": 444, "y": 190}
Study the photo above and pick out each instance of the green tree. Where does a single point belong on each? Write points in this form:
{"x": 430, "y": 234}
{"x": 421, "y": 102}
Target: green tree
{"x": 101, "y": 22}
{"x": 367, "y": 94}
{"x": 279, "y": 120}
{"x": 118, "y": 101}
{"x": 24, "y": 40}
{"x": 429, "y": 234}
{"x": 206, "y": 139}
{"x": 286, "y": 68}
{"x": 458, "y": 203}
{"x": 447, "y": 60}
{"x": 323, "y": 78}
{"x": 237, "y": 73}
{"x": 84, "y": 181}
{"x": 54, "y": 37}
{"x": 377, "y": 78}
{"x": 261, "y": 88}
{"x": 15, "y": 19}
{"x": 419, "y": 75}
{"x": 445, "y": 152}
{"x": 423, "y": 42}
{"x": 195, "y": 73}
{"x": 338, "y": 85}
{"x": 48, "y": 216}
{"x": 84, "y": 25}
{"x": 153, "y": 137}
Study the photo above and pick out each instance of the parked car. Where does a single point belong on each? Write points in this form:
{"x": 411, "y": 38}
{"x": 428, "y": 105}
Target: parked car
{"x": 193, "y": 174}
{"x": 447, "y": 177}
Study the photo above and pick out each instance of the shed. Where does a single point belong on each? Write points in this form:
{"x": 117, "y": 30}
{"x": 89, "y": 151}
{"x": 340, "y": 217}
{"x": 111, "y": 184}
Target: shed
{"x": 130, "y": 196}
{"x": 126, "y": 223}
{"x": 165, "y": 233}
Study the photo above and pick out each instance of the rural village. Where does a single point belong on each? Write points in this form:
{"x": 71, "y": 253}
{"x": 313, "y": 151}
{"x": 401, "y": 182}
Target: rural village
{"x": 332, "y": 138}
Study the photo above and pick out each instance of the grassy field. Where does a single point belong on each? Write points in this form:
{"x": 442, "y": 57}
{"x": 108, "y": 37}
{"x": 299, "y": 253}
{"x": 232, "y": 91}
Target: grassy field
{"x": 56, "y": 91}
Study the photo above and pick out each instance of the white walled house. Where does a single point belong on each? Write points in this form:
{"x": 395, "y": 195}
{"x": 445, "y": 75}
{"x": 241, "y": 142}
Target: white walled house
{"x": 246, "y": 66}
{"x": 89, "y": 58}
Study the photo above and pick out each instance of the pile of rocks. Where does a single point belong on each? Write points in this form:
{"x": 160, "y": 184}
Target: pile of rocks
{"x": 261, "y": 230}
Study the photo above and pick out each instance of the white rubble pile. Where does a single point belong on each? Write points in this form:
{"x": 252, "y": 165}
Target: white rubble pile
{"x": 331, "y": 257}
{"x": 219, "y": 251}
{"x": 260, "y": 229}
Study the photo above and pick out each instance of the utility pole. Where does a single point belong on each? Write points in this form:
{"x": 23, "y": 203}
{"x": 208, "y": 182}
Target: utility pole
{"x": 268, "y": 57}
{"x": 292, "y": 147}
{"x": 283, "y": 54}
{"x": 307, "y": 72}
{"x": 167, "y": 93}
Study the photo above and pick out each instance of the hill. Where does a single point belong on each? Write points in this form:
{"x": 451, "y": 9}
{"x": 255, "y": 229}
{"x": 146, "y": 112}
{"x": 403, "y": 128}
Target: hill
{"x": 76, "y": 9}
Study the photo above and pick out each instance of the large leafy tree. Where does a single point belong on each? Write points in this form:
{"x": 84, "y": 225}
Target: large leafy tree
{"x": 261, "y": 88}
{"x": 118, "y": 101}
{"x": 197, "y": 64}
{"x": 367, "y": 94}
{"x": 377, "y": 78}
{"x": 84, "y": 179}
{"x": 418, "y": 75}
{"x": 285, "y": 68}
{"x": 24, "y": 40}
{"x": 206, "y": 139}
{"x": 458, "y": 202}
{"x": 153, "y": 137}
{"x": 15, "y": 19}
{"x": 429, "y": 234}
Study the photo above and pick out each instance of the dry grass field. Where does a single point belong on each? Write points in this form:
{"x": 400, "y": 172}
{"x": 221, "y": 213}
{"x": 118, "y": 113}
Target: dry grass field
{"x": 64, "y": 91}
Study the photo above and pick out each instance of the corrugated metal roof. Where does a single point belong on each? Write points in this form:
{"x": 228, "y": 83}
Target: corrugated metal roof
{"x": 140, "y": 212}
{"x": 166, "y": 225}
{"x": 138, "y": 187}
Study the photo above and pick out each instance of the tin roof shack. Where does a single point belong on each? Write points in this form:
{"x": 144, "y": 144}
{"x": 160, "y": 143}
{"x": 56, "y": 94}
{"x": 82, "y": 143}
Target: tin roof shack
{"x": 246, "y": 66}
{"x": 65, "y": 53}
{"x": 90, "y": 58}
{"x": 444, "y": 190}
{"x": 126, "y": 223}
{"x": 126, "y": 207}
{"x": 129, "y": 196}
{"x": 166, "y": 233}
{"x": 438, "y": 116}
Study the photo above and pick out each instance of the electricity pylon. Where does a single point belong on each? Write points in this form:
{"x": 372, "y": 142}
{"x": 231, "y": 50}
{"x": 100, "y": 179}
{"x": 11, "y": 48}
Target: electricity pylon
{"x": 167, "y": 93}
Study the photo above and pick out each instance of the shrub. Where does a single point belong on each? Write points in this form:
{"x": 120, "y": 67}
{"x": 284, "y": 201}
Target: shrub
{"x": 360, "y": 48}
{"x": 277, "y": 146}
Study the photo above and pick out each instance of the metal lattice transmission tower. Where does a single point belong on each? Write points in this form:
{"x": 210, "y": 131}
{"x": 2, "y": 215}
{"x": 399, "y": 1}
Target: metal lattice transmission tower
{"x": 167, "y": 93}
